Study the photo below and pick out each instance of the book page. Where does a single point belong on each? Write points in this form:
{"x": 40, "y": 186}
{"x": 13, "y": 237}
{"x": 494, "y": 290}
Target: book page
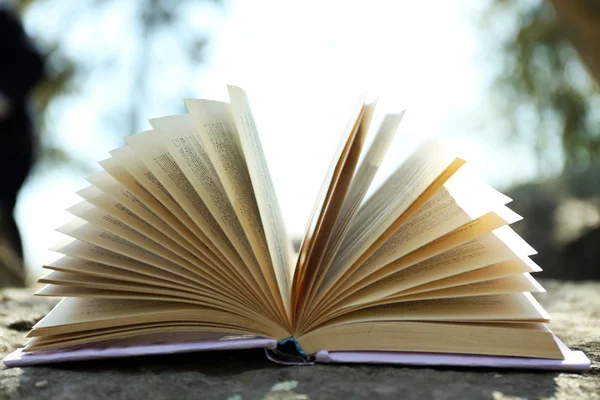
{"x": 179, "y": 220}
{"x": 508, "y": 284}
{"x": 515, "y": 266}
{"x": 167, "y": 238}
{"x": 327, "y": 207}
{"x": 170, "y": 336}
{"x": 84, "y": 291}
{"x": 487, "y": 338}
{"x": 491, "y": 248}
{"x": 73, "y": 271}
{"x": 74, "y": 310}
{"x": 141, "y": 273}
{"x": 54, "y": 290}
{"x": 359, "y": 187}
{"x": 498, "y": 308}
{"x": 346, "y": 196}
{"x": 167, "y": 208}
{"x": 93, "y": 235}
{"x": 444, "y": 212}
{"x": 155, "y": 155}
{"x": 215, "y": 134}
{"x": 280, "y": 245}
{"x": 113, "y": 167}
{"x": 84, "y": 231}
{"x": 116, "y": 226}
{"x": 470, "y": 231}
{"x": 179, "y": 135}
{"x": 110, "y": 195}
{"x": 109, "y": 186}
{"x": 169, "y": 224}
{"x": 97, "y": 254}
{"x": 127, "y": 335}
{"x": 362, "y": 180}
{"x": 127, "y": 159}
{"x": 120, "y": 227}
{"x": 474, "y": 254}
{"x": 89, "y": 252}
{"x": 401, "y": 195}
{"x": 81, "y": 314}
{"x": 163, "y": 167}
{"x": 207, "y": 298}
{"x": 163, "y": 172}
{"x": 160, "y": 162}
{"x": 59, "y": 278}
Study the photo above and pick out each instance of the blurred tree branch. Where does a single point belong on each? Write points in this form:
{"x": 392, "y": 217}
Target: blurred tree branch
{"x": 67, "y": 74}
{"x": 580, "y": 21}
{"x": 542, "y": 86}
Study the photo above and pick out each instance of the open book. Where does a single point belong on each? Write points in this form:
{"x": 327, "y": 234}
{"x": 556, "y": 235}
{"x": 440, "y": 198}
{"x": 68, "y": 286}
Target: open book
{"x": 179, "y": 245}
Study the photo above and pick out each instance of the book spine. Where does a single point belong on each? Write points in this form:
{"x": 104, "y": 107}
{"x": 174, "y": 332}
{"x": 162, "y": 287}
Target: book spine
{"x": 289, "y": 352}
{"x": 294, "y": 342}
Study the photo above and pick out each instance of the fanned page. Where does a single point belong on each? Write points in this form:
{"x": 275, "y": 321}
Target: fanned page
{"x": 280, "y": 245}
{"x": 357, "y": 189}
{"x": 181, "y": 232}
{"x": 174, "y": 218}
{"x": 431, "y": 244}
{"x": 328, "y": 206}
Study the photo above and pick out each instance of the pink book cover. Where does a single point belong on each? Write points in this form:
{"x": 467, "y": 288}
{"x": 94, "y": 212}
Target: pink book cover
{"x": 574, "y": 361}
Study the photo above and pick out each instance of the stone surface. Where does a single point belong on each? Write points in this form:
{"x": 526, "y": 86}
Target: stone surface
{"x": 11, "y": 269}
{"x": 575, "y": 308}
{"x": 561, "y": 220}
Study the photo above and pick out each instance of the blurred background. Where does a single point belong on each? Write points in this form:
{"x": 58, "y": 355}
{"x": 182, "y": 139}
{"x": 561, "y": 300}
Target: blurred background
{"x": 513, "y": 80}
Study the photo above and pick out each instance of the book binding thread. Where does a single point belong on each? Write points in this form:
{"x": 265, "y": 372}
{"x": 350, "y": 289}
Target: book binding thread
{"x": 293, "y": 341}
{"x": 289, "y": 352}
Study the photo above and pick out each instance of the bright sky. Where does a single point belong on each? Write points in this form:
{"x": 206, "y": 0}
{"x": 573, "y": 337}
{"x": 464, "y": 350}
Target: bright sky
{"x": 302, "y": 63}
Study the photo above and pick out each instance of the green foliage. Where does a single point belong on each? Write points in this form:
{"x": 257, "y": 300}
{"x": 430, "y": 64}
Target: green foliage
{"x": 542, "y": 86}
{"x": 67, "y": 72}
{"x": 60, "y": 72}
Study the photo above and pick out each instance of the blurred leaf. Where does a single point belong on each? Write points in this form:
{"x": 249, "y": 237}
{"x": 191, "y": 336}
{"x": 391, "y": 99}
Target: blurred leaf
{"x": 196, "y": 50}
{"x": 57, "y": 157}
{"x": 151, "y": 20}
{"x": 542, "y": 87}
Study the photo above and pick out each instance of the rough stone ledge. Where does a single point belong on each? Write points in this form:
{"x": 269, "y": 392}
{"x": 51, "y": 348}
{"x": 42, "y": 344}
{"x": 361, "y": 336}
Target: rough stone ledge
{"x": 575, "y": 308}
